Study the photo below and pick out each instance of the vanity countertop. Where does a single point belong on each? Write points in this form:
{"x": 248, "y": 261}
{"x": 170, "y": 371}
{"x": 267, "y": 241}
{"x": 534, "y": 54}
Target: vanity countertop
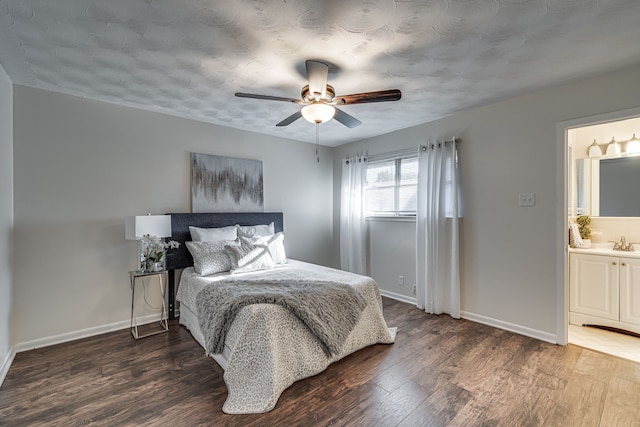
{"x": 607, "y": 249}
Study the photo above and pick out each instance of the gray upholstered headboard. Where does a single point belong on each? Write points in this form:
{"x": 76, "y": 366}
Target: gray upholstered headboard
{"x": 180, "y": 222}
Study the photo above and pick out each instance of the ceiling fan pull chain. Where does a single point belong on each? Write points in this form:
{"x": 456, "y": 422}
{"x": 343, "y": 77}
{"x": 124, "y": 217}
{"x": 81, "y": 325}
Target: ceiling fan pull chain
{"x": 318, "y": 142}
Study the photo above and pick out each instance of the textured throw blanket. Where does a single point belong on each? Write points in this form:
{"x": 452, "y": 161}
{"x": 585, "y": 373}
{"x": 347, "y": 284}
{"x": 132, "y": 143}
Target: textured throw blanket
{"x": 330, "y": 310}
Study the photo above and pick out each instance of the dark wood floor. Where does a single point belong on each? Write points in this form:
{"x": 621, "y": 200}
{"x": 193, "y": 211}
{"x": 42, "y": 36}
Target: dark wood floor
{"x": 439, "y": 372}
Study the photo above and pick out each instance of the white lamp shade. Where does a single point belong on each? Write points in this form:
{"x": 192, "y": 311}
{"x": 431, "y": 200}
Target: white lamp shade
{"x": 318, "y": 112}
{"x": 595, "y": 150}
{"x": 613, "y": 147}
{"x": 155, "y": 225}
{"x": 633, "y": 146}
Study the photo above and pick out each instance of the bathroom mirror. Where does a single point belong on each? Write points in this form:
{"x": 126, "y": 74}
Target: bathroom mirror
{"x": 608, "y": 186}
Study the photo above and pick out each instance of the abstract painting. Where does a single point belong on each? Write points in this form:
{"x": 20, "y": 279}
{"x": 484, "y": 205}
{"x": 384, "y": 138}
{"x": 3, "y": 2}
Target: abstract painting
{"x": 225, "y": 184}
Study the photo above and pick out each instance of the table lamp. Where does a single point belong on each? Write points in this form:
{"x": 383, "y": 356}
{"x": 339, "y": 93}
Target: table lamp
{"x": 154, "y": 225}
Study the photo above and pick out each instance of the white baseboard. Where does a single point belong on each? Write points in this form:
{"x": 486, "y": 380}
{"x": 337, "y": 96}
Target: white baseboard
{"x": 83, "y": 333}
{"x": 518, "y": 329}
{"x": 398, "y": 297}
{"x": 6, "y": 364}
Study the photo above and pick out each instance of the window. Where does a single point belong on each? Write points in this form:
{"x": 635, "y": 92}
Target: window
{"x": 391, "y": 187}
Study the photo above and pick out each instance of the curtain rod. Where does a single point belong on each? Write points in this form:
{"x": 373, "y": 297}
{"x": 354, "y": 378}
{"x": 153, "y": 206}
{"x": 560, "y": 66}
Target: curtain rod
{"x": 423, "y": 147}
{"x": 400, "y": 153}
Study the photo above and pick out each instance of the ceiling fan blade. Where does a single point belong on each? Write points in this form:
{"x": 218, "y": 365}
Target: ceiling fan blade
{"x": 267, "y": 97}
{"x": 363, "y": 98}
{"x": 292, "y": 118}
{"x": 346, "y": 119}
{"x": 317, "y": 73}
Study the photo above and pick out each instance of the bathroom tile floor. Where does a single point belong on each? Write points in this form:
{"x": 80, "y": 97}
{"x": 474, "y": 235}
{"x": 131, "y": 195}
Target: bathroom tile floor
{"x": 613, "y": 343}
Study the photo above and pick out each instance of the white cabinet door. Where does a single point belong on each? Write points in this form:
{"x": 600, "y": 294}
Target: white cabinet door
{"x": 594, "y": 285}
{"x": 630, "y": 290}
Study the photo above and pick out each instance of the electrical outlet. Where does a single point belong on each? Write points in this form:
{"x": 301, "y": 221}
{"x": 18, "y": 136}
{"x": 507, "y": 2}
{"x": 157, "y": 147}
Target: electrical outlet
{"x": 527, "y": 199}
{"x": 400, "y": 280}
{"x": 415, "y": 291}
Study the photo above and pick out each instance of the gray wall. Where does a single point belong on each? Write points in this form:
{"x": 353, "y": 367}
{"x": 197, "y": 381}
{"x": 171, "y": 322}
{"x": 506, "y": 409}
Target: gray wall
{"x": 392, "y": 253}
{"x": 509, "y": 254}
{"x": 6, "y": 215}
{"x": 81, "y": 166}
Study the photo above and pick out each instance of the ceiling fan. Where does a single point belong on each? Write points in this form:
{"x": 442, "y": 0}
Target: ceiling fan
{"x": 319, "y": 99}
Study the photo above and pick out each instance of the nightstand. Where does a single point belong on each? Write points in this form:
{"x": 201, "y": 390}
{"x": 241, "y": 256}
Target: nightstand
{"x": 136, "y": 276}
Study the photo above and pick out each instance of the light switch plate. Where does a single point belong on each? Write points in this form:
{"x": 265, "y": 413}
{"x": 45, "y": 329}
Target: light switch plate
{"x": 527, "y": 199}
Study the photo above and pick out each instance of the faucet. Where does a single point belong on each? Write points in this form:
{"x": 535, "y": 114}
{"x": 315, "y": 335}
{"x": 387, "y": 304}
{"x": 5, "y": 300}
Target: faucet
{"x": 622, "y": 246}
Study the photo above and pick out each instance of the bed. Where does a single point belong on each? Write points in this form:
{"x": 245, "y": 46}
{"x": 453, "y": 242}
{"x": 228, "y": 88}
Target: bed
{"x": 267, "y": 347}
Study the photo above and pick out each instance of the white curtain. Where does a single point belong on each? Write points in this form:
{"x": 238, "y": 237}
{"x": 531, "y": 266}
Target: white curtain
{"x": 353, "y": 232}
{"x": 439, "y": 207}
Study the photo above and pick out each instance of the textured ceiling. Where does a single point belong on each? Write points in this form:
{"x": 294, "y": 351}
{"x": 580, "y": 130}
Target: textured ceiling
{"x": 188, "y": 57}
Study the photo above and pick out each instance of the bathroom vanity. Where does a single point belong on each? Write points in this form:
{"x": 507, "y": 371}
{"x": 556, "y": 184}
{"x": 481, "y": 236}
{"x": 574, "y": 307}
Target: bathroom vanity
{"x": 604, "y": 288}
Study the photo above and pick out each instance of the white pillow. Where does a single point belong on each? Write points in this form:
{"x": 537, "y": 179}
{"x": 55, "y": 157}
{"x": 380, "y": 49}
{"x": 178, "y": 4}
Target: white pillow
{"x": 247, "y": 257}
{"x": 273, "y": 243}
{"x": 255, "y": 230}
{"x": 213, "y": 234}
{"x": 210, "y": 257}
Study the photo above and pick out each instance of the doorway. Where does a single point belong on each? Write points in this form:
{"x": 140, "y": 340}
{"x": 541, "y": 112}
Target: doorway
{"x": 577, "y": 139}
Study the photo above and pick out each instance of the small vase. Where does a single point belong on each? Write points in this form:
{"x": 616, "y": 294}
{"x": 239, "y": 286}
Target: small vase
{"x": 586, "y": 244}
{"x": 151, "y": 266}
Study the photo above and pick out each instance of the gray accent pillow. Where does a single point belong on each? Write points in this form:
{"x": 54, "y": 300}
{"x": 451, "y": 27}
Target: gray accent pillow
{"x": 248, "y": 257}
{"x": 273, "y": 243}
{"x": 210, "y": 257}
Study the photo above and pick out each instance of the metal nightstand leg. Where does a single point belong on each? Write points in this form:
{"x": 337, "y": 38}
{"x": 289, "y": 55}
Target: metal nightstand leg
{"x": 164, "y": 325}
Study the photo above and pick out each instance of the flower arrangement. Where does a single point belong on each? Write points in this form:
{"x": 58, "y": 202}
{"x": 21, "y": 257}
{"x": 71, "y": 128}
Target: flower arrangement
{"x": 153, "y": 251}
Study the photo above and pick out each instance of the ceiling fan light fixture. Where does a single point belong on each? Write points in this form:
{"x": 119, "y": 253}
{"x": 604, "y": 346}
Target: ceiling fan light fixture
{"x": 318, "y": 99}
{"x": 318, "y": 112}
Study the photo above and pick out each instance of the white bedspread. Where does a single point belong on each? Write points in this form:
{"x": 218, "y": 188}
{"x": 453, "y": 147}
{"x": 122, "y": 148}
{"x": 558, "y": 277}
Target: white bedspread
{"x": 268, "y": 348}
